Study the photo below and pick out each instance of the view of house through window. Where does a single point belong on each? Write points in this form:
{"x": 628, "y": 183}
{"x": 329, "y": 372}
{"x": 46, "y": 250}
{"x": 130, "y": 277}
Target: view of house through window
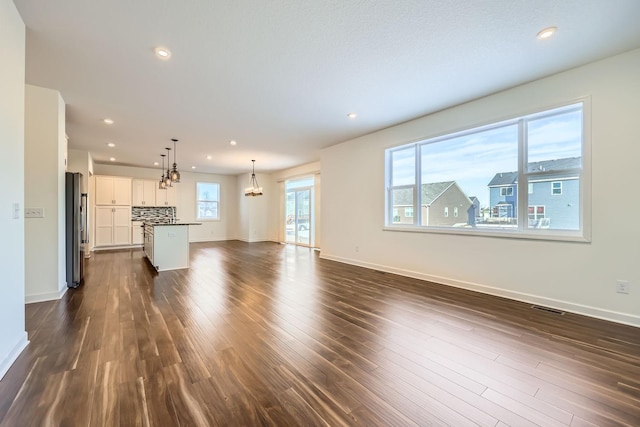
{"x": 472, "y": 179}
{"x": 298, "y": 211}
{"x": 208, "y": 199}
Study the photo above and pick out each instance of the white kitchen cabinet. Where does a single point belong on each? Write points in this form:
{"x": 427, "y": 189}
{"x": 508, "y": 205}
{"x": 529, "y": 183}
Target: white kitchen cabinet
{"x": 137, "y": 233}
{"x": 113, "y": 225}
{"x": 148, "y": 243}
{"x": 166, "y": 197}
{"x": 113, "y": 190}
{"x": 144, "y": 192}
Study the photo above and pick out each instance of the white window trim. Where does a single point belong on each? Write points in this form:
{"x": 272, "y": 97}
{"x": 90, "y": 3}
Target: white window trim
{"x": 581, "y": 235}
{"x": 552, "y": 189}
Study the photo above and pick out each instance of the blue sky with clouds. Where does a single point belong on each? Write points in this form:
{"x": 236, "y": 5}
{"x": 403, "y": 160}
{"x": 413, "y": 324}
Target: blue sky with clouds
{"x": 472, "y": 160}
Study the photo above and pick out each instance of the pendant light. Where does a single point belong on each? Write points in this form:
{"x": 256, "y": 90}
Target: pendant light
{"x": 167, "y": 179}
{"x": 175, "y": 174}
{"x": 161, "y": 184}
{"x": 254, "y": 189}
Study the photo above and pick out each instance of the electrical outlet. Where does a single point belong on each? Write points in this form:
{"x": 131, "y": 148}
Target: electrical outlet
{"x": 34, "y": 212}
{"x": 622, "y": 287}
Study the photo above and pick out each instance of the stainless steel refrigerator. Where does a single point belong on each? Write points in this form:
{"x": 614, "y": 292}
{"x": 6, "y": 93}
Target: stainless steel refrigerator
{"x": 75, "y": 228}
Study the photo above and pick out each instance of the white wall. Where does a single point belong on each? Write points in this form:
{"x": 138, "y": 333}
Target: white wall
{"x": 254, "y": 213}
{"x": 45, "y": 153}
{"x": 577, "y": 277}
{"x": 224, "y": 229}
{"x": 13, "y": 337}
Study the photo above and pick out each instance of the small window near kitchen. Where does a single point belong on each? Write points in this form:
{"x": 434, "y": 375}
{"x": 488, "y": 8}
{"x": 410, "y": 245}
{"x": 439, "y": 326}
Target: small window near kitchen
{"x": 556, "y": 188}
{"x": 208, "y": 200}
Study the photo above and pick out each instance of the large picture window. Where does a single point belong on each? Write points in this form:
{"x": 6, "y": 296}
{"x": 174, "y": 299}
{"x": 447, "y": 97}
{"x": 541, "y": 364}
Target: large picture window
{"x": 208, "y": 200}
{"x": 494, "y": 177}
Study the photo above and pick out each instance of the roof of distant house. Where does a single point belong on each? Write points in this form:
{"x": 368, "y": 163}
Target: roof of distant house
{"x": 510, "y": 178}
{"x": 430, "y": 192}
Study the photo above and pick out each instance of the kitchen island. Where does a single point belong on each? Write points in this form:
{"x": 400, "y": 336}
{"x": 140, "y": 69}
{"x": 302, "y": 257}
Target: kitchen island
{"x": 166, "y": 245}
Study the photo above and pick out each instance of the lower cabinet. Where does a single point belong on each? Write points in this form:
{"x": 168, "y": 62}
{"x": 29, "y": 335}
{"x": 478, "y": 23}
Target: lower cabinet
{"x": 137, "y": 233}
{"x": 113, "y": 225}
{"x": 148, "y": 243}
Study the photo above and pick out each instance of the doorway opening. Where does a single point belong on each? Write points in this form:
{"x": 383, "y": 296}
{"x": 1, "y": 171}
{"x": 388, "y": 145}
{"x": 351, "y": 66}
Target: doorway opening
{"x": 299, "y": 221}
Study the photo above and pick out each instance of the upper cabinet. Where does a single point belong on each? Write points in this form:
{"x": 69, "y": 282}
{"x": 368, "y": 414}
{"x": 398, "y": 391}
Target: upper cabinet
{"x": 144, "y": 192}
{"x": 166, "y": 197}
{"x": 113, "y": 190}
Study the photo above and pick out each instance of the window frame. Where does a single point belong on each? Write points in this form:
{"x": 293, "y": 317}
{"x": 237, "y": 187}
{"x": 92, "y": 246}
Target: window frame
{"x": 523, "y": 231}
{"x": 197, "y": 215}
{"x": 508, "y": 191}
{"x": 553, "y": 193}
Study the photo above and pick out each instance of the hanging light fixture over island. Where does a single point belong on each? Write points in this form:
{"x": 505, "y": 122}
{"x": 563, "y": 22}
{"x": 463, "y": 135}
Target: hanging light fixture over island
{"x": 253, "y": 189}
{"x": 175, "y": 173}
{"x": 162, "y": 185}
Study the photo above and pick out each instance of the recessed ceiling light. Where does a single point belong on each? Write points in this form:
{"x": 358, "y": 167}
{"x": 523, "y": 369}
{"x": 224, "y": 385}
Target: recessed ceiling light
{"x": 111, "y": 144}
{"x": 546, "y": 33}
{"x": 209, "y": 157}
{"x": 156, "y": 164}
{"x": 162, "y": 52}
{"x": 113, "y": 159}
{"x": 352, "y": 115}
{"x": 233, "y": 142}
{"x": 108, "y": 121}
{"x": 193, "y": 167}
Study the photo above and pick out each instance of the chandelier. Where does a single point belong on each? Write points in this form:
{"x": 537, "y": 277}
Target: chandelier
{"x": 253, "y": 189}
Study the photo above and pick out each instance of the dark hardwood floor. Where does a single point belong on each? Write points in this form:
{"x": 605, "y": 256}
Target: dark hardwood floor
{"x": 266, "y": 334}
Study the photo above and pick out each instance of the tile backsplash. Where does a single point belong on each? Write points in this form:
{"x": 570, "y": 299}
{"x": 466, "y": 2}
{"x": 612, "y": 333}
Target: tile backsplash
{"x": 155, "y": 214}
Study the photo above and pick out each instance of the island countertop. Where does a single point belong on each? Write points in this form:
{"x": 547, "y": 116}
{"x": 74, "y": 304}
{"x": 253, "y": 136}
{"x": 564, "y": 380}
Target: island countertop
{"x": 159, "y": 224}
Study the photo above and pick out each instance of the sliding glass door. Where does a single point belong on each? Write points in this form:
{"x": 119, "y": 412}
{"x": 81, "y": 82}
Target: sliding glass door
{"x": 298, "y": 211}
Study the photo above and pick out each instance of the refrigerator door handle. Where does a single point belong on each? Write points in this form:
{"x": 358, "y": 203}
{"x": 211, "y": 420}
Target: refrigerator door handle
{"x": 84, "y": 203}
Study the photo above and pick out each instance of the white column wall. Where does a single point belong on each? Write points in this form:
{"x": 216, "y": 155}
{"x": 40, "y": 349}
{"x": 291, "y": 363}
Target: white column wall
{"x": 578, "y": 277}
{"x": 13, "y": 337}
{"x": 45, "y": 153}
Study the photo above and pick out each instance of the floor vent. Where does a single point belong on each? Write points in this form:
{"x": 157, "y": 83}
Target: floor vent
{"x": 548, "y": 309}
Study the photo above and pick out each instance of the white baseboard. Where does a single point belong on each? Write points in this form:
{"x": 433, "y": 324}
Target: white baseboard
{"x": 48, "y": 296}
{"x": 215, "y": 239}
{"x": 599, "y": 313}
{"x": 258, "y": 240}
{"x": 11, "y": 357}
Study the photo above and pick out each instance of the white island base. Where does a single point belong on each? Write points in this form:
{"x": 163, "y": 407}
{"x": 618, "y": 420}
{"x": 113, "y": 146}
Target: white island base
{"x": 167, "y": 246}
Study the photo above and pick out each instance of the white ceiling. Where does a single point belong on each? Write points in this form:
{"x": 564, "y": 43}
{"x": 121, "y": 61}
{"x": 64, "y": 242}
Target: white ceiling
{"x": 280, "y": 76}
